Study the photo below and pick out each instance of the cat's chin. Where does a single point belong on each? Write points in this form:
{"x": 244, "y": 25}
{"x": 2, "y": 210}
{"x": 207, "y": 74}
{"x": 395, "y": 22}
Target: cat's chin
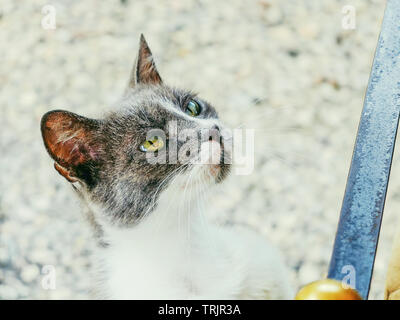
{"x": 215, "y": 173}
{"x": 206, "y": 176}
{"x": 219, "y": 172}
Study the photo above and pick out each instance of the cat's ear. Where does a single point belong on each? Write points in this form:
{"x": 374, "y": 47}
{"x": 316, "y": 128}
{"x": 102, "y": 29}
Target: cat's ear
{"x": 144, "y": 70}
{"x": 73, "y": 142}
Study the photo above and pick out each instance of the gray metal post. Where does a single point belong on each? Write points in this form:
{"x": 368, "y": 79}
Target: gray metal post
{"x": 364, "y": 199}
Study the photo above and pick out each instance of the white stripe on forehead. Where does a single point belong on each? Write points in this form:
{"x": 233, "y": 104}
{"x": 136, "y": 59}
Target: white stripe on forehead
{"x": 169, "y": 106}
{"x": 147, "y": 95}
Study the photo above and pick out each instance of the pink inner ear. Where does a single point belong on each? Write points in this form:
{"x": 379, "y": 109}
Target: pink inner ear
{"x": 76, "y": 152}
{"x": 68, "y": 139}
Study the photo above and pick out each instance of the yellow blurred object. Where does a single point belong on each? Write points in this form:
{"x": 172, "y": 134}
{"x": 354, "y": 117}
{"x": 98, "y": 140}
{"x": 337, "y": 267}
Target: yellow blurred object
{"x": 327, "y": 289}
{"x": 392, "y": 291}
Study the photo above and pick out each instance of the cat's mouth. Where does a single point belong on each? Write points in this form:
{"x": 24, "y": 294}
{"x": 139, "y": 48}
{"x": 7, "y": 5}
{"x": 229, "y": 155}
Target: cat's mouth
{"x": 211, "y": 164}
{"x": 215, "y": 160}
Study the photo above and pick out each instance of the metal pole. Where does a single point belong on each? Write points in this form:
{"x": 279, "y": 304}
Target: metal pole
{"x": 361, "y": 214}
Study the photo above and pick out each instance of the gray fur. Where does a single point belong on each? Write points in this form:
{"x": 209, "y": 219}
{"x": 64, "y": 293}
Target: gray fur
{"x": 108, "y": 166}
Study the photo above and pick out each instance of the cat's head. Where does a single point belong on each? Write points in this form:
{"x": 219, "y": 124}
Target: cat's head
{"x": 157, "y": 137}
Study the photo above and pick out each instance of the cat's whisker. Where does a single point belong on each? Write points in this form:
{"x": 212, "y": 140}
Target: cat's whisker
{"x": 278, "y": 130}
{"x": 289, "y": 157}
{"x": 152, "y": 203}
{"x": 193, "y": 173}
{"x": 202, "y": 212}
{"x": 183, "y": 203}
{"x": 261, "y": 116}
{"x": 163, "y": 216}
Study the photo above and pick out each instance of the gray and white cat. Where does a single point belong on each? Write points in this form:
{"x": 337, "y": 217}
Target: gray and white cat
{"x": 153, "y": 240}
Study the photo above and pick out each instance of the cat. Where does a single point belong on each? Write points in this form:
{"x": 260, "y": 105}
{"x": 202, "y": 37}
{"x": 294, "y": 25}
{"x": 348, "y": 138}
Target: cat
{"x": 153, "y": 241}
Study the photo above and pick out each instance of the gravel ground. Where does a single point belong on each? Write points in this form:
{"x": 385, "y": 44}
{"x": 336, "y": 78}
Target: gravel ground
{"x": 285, "y": 68}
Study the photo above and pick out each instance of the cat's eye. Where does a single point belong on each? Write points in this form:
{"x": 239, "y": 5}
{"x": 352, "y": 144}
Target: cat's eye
{"x": 193, "y": 108}
{"x": 152, "y": 145}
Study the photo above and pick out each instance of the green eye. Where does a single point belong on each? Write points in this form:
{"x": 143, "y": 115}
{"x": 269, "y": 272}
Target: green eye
{"x": 154, "y": 144}
{"x": 193, "y": 109}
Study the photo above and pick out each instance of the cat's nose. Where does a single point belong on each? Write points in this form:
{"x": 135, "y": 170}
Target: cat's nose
{"x": 214, "y": 134}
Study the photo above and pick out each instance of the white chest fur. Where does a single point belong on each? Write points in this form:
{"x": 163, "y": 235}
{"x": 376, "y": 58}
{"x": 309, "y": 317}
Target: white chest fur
{"x": 163, "y": 262}
{"x": 175, "y": 254}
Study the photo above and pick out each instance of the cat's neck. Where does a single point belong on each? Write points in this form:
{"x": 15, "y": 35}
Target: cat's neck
{"x": 171, "y": 242}
{"x": 178, "y": 217}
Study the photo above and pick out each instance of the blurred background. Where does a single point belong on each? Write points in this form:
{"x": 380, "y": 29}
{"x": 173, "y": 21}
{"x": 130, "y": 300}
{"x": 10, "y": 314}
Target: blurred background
{"x": 289, "y": 69}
